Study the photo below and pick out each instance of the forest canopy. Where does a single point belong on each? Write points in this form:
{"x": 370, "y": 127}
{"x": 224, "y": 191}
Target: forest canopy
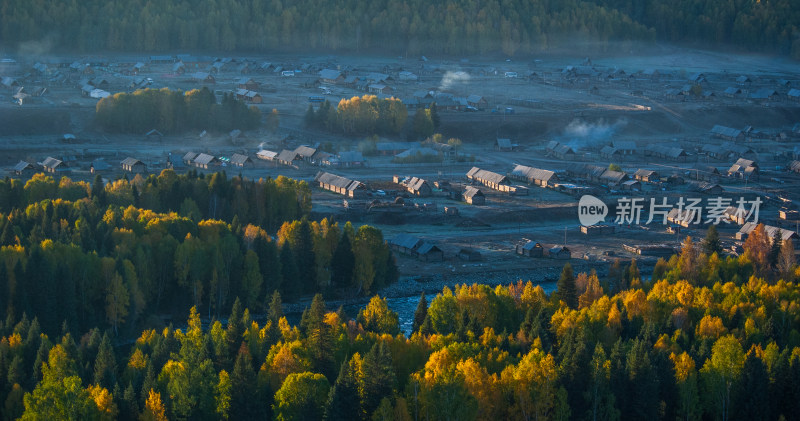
{"x": 413, "y": 27}
{"x": 174, "y": 112}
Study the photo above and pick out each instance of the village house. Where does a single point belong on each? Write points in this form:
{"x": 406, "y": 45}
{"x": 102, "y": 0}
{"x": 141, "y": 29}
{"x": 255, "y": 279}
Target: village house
{"x": 133, "y": 165}
{"x": 330, "y": 76}
{"x": 205, "y": 161}
{"x": 489, "y": 179}
{"x": 732, "y": 92}
{"x": 503, "y": 145}
{"x": 769, "y": 230}
{"x": 529, "y": 249}
{"x": 647, "y": 176}
{"x": 744, "y": 169}
{"x": 477, "y": 101}
{"x": 416, "y": 186}
{"x": 341, "y": 185}
{"x": 23, "y": 168}
{"x": 266, "y": 155}
{"x": 559, "y": 253}
{"x": 594, "y": 230}
{"x": 240, "y": 160}
{"x": 625, "y": 147}
{"x": 53, "y": 165}
{"x": 474, "y": 196}
{"x": 287, "y": 157}
{"x": 611, "y": 153}
{"x": 536, "y": 176}
{"x": 189, "y": 157}
{"x": 727, "y": 133}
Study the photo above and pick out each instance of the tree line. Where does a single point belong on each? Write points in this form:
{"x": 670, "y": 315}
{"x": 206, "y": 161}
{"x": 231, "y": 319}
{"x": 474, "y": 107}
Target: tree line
{"x": 709, "y": 337}
{"x": 174, "y": 112}
{"x": 82, "y": 264}
{"x": 415, "y": 26}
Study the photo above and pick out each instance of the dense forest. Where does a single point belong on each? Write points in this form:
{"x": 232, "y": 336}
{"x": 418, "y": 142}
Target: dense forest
{"x": 174, "y": 112}
{"x": 415, "y": 26}
{"x": 710, "y": 337}
{"x": 78, "y": 256}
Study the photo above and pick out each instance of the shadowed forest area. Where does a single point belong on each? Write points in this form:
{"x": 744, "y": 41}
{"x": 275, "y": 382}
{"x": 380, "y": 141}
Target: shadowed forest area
{"x": 412, "y": 27}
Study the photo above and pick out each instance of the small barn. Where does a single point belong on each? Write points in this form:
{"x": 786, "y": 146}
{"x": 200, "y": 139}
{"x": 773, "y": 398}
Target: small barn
{"x": 428, "y": 252}
{"x": 287, "y": 157}
{"x": 469, "y": 255}
{"x": 205, "y": 161}
{"x": 417, "y": 186}
{"x": 530, "y": 249}
{"x": 631, "y": 185}
{"x": 536, "y": 176}
{"x": 133, "y": 165}
{"x": 647, "y": 176}
{"x": 203, "y": 77}
{"x": 503, "y": 145}
{"x": 559, "y": 253}
{"x": 24, "y": 169}
{"x": 611, "y": 153}
{"x": 474, "y": 196}
{"x": 240, "y": 160}
{"x": 189, "y": 157}
{"x": 593, "y": 230}
{"x": 53, "y": 165}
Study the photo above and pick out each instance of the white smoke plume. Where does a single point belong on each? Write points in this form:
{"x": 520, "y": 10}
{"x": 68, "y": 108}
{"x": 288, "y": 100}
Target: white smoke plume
{"x": 451, "y": 78}
{"x": 581, "y": 133}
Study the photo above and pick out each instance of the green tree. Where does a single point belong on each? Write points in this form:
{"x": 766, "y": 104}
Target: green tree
{"x": 378, "y": 379}
{"x": 343, "y": 402}
{"x": 566, "y": 290}
{"x": 420, "y": 313}
{"x": 105, "y": 365}
{"x": 222, "y": 397}
{"x": 721, "y": 372}
{"x": 711, "y": 243}
{"x": 342, "y": 263}
{"x": 377, "y": 317}
{"x": 60, "y": 394}
{"x": 751, "y": 398}
{"x": 301, "y": 397}
{"x": 422, "y": 124}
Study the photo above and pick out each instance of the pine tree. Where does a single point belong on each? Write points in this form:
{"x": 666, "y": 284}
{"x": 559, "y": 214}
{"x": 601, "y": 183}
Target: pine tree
{"x": 435, "y": 119}
{"x": 775, "y": 249}
{"x": 289, "y": 271}
{"x": 305, "y": 257}
{"x": 566, "y": 290}
{"x": 342, "y": 263}
{"x": 420, "y": 313}
{"x": 275, "y": 311}
{"x": 235, "y": 329}
{"x": 751, "y": 400}
{"x": 244, "y": 399}
{"x": 711, "y": 243}
{"x": 343, "y": 401}
{"x": 378, "y": 380}
{"x": 105, "y": 365}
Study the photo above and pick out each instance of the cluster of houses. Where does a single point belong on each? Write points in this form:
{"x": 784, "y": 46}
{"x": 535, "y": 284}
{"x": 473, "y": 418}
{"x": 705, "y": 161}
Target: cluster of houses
{"x": 313, "y": 156}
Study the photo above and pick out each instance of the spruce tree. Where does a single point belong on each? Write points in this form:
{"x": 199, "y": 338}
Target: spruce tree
{"x": 343, "y": 401}
{"x": 275, "y": 311}
{"x": 342, "y": 263}
{"x": 289, "y": 270}
{"x": 711, "y": 243}
{"x": 566, "y": 290}
{"x": 244, "y": 400}
{"x": 378, "y": 380}
{"x": 105, "y": 365}
{"x": 420, "y": 313}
